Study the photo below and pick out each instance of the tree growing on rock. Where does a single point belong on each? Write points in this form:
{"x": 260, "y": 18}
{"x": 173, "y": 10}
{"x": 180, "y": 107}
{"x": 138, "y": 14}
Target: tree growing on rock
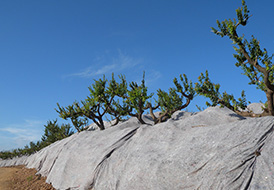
{"x": 97, "y": 104}
{"x": 205, "y": 87}
{"x": 137, "y": 99}
{"x": 134, "y": 101}
{"x": 117, "y": 110}
{"x": 73, "y": 112}
{"x": 119, "y": 100}
{"x": 172, "y": 101}
{"x": 254, "y": 61}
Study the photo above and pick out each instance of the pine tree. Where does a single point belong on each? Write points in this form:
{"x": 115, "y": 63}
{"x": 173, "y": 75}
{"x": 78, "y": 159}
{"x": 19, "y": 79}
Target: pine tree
{"x": 53, "y": 132}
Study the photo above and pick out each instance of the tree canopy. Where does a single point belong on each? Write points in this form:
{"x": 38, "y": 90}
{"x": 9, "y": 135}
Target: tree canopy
{"x": 251, "y": 57}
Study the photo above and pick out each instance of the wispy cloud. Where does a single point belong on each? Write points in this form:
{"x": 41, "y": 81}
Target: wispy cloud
{"x": 119, "y": 63}
{"x": 152, "y": 77}
{"x": 19, "y": 135}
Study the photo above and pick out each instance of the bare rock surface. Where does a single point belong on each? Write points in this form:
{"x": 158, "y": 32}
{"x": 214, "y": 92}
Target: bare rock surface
{"x": 213, "y": 149}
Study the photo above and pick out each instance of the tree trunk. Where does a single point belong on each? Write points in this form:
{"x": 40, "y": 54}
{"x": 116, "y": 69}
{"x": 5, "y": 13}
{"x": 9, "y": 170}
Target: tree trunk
{"x": 269, "y": 95}
{"x": 139, "y": 117}
{"x": 101, "y": 124}
{"x": 75, "y": 124}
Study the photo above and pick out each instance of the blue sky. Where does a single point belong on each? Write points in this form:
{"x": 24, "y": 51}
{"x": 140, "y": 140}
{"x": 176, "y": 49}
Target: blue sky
{"x": 50, "y": 51}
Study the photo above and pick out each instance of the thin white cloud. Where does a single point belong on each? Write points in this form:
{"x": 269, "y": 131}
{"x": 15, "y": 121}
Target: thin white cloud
{"x": 19, "y": 135}
{"x": 153, "y": 76}
{"x": 119, "y": 63}
{"x": 91, "y": 71}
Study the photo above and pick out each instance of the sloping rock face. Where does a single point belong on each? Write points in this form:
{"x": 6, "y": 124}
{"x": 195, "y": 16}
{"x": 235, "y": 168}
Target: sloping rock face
{"x": 214, "y": 149}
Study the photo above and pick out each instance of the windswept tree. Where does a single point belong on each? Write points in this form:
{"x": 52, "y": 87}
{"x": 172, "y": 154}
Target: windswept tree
{"x": 73, "y": 112}
{"x": 102, "y": 95}
{"x": 118, "y": 100}
{"x": 174, "y": 100}
{"x": 97, "y": 104}
{"x": 205, "y": 87}
{"x": 254, "y": 61}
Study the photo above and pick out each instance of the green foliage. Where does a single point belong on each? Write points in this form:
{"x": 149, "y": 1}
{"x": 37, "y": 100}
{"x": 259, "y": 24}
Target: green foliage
{"x": 27, "y": 150}
{"x": 118, "y": 110}
{"x": 74, "y": 113}
{"x": 228, "y": 27}
{"x": 119, "y": 100}
{"x": 6, "y": 155}
{"x": 53, "y": 132}
{"x": 138, "y": 96}
{"x": 257, "y": 55}
{"x": 131, "y": 102}
{"x": 102, "y": 96}
{"x": 212, "y": 91}
{"x": 118, "y": 91}
{"x": 173, "y": 100}
{"x": 96, "y": 105}
{"x": 169, "y": 101}
{"x": 251, "y": 58}
{"x": 137, "y": 99}
{"x": 115, "y": 99}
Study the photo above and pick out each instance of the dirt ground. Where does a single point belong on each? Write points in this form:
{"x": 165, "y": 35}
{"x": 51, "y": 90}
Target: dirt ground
{"x": 21, "y": 178}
